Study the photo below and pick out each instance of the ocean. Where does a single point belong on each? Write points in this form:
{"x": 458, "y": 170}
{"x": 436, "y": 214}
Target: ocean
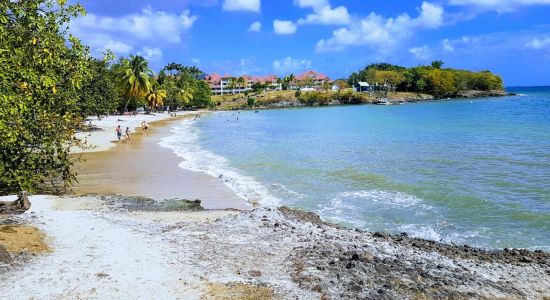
{"x": 471, "y": 172}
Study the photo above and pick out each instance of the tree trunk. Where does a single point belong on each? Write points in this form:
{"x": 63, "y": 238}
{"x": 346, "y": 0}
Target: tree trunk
{"x": 18, "y": 206}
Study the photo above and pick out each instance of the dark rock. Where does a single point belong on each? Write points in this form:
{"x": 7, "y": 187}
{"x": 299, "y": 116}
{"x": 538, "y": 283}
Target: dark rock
{"x": 254, "y": 273}
{"x": 5, "y": 257}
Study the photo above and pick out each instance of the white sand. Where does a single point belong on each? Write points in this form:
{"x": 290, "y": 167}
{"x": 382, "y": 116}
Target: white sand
{"x": 102, "y": 140}
{"x": 94, "y": 257}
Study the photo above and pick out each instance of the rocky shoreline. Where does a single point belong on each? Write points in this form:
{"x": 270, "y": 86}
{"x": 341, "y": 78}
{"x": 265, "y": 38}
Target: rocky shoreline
{"x": 278, "y": 253}
{"x": 293, "y": 102}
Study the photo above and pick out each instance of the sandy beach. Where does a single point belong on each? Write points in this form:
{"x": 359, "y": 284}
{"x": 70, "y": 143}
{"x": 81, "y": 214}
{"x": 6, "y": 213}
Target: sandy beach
{"x": 131, "y": 247}
{"x": 143, "y": 168}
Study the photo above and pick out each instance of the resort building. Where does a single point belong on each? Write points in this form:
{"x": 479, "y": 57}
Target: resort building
{"x": 227, "y": 84}
{"x": 309, "y": 80}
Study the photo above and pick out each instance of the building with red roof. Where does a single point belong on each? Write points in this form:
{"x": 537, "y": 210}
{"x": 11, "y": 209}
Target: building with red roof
{"x": 309, "y": 80}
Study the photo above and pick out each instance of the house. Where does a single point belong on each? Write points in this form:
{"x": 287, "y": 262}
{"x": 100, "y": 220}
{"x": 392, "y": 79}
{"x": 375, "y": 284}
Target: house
{"x": 362, "y": 86}
{"x": 227, "y": 84}
{"x": 309, "y": 79}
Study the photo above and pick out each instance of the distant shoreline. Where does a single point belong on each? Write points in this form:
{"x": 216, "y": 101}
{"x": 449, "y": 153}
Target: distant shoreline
{"x": 288, "y": 99}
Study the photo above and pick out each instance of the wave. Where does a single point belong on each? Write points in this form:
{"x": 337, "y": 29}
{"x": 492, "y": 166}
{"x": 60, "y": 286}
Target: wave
{"x": 381, "y": 210}
{"x": 185, "y": 144}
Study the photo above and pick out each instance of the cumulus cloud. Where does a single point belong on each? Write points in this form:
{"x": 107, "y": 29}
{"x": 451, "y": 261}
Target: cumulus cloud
{"x": 255, "y": 27}
{"x": 246, "y": 5}
{"x": 422, "y": 52}
{"x": 498, "y": 5}
{"x": 123, "y": 33}
{"x": 450, "y": 44}
{"x": 117, "y": 47}
{"x": 284, "y": 27}
{"x": 151, "y": 53}
{"x": 323, "y": 13}
{"x": 538, "y": 44}
{"x": 380, "y": 32}
{"x": 290, "y": 65}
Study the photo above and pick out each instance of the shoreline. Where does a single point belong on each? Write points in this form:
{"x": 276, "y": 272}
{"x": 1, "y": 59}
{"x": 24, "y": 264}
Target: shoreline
{"x": 119, "y": 243}
{"x": 144, "y": 168}
{"x": 291, "y": 101}
{"x": 101, "y": 249}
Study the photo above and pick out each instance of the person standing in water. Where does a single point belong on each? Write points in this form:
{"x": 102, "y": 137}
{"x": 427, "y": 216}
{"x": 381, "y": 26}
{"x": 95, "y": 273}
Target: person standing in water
{"x": 127, "y": 134}
{"x": 118, "y": 131}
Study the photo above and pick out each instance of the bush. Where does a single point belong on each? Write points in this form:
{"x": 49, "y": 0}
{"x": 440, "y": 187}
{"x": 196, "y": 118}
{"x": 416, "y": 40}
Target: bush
{"x": 251, "y": 101}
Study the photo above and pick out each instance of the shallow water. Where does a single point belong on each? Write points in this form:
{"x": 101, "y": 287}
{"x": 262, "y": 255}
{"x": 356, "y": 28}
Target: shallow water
{"x": 461, "y": 171}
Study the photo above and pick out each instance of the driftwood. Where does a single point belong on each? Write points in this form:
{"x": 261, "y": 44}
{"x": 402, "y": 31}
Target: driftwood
{"x": 18, "y": 206}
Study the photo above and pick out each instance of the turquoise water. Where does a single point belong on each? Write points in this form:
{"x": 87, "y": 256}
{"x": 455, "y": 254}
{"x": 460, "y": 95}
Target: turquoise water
{"x": 475, "y": 172}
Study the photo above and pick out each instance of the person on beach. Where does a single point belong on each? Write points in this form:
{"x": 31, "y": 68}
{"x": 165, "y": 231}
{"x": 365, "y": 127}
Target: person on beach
{"x": 118, "y": 131}
{"x": 144, "y": 126}
{"x": 127, "y": 134}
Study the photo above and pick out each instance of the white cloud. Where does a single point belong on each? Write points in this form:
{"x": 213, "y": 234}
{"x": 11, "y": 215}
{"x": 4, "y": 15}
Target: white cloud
{"x": 422, "y": 53}
{"x": 151, "y": 53}
{"x": 247, "y": 5}
{"x": 498, "y": 5}
{"x": 122, "y": 34}
{"x": 117, "y": 47}
{"x": 447, "y": 45}
{"x": 323, "y": 13}
{"x": 255, "y": 27}
{"x": 290, "y": 65}
{"x": 311, "y": 3}
{"x": 538, "y": 44}
{"x": 382, "y": 33}
{"x": 284, "y": 27}
{"x": 450, "y": 45}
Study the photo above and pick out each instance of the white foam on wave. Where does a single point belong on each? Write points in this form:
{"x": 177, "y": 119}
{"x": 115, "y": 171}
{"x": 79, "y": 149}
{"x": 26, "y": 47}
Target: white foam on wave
{"x": 393, "y": 211}
{"x": 185, "y": 144}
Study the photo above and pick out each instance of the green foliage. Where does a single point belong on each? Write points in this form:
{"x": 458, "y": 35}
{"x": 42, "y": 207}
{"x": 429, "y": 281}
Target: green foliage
{"x": 201, "y": 96}
{"x": 251, "y": 101}
{"x": 428, "y": 79}
{"x": 42, "y": 68}
{"x": 134, "y": 78}
{"x": 437, "y": 64}
{"x": 315, "y": 98}
{"x": 439, "y": 83}
{"x": 184, "y": 88}
{"x": 98, "y": 95}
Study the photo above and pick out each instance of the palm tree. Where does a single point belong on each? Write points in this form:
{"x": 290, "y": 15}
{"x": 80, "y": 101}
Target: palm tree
{"x": 186, "y": 94}
{"x": 290, "y": 79}
{"x": 135, "y": 77}
{"x": 241, "y": 82}
{"x": 232, "y": 84}
{"x": 156, "y": 97}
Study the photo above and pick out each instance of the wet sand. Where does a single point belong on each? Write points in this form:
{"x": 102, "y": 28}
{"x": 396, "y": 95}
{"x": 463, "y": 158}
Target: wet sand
{"x": 144, "y": 168}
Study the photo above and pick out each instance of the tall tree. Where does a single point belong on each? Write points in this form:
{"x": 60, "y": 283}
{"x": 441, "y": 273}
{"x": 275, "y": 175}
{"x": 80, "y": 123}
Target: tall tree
{"x": 42, "y": 68}
{"x": 135, "y": 78}
{"x": 155, "y": 98}
{"x": 99, "y": 95}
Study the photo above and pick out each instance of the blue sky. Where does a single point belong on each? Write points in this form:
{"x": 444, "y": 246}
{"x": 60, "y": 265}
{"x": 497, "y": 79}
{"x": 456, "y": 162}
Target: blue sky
{"x": 509, "y": 37}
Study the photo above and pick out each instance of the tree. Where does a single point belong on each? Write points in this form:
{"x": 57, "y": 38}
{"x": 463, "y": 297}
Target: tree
{"x": 155, "y": 98}
{"x": 135, "y": 78}
{"x": 42, "y": 68}
{"x": 437, "y": 64}
{"x": 389, "y": 78}
{"x": 439, "y": 83}
{"x": 201, "y": 95}
{"x": 99, "y": 95}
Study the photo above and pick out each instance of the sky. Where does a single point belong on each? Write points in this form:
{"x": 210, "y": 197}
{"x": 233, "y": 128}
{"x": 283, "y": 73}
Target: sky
{"x": 335, "y": 37}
